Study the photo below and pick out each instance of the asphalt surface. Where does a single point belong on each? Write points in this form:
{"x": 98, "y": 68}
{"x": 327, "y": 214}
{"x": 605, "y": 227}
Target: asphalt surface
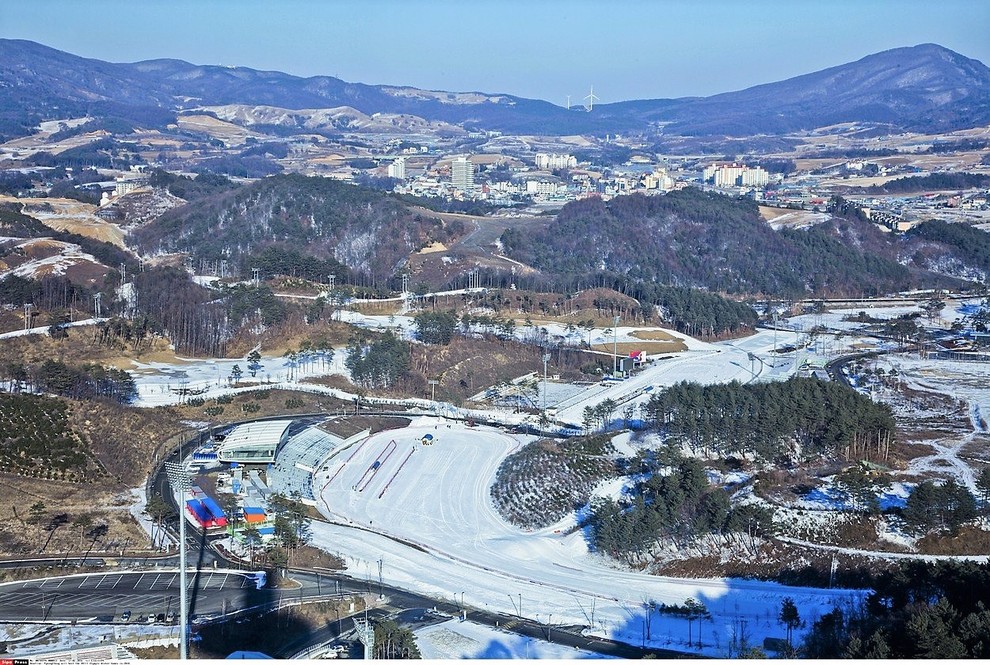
{"x": 105, "y": 596}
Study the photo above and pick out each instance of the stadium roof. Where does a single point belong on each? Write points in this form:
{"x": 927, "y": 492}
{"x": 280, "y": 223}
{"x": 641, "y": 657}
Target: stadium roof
{"x": 253, "y": 442}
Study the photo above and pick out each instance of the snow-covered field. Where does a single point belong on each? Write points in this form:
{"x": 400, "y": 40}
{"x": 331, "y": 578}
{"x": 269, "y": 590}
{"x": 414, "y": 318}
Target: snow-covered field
{"x": 425, "y": 512}
{"x": 454, "y": 639}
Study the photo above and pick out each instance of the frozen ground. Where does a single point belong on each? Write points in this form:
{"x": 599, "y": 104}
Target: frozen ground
{"x": 425, "y": 512}
{"x": 951, "y": 311}
{"x": 966, "y": 381}
{"x": 34, "y": 639}
{"x": 455, "y": 640}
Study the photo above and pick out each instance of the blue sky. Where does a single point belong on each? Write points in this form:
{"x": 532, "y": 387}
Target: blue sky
{"x": 548, "y": 49}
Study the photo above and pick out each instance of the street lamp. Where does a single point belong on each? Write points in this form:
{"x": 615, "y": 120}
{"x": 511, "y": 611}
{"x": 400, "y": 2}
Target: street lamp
{"x": 546, "y": 359}
{"x": 615, "y": 346}
{"x": 181, "y": 483}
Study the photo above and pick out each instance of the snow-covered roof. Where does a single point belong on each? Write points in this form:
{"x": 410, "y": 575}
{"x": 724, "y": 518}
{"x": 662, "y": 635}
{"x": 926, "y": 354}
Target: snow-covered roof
{"x": 253, "y": 442}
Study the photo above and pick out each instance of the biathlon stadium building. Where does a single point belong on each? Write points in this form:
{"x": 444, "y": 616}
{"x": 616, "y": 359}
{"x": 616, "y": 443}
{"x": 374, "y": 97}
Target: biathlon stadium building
{"x": 254, "y": 443}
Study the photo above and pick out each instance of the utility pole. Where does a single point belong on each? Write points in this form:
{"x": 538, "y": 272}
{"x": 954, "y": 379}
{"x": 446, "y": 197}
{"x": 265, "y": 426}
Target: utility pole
{"x": 180, "y": 482}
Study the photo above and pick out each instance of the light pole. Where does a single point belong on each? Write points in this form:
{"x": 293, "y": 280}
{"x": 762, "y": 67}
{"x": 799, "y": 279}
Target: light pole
{"x": 615, "y": 346}
{"x": 546, "y": 359}
{"x": 381, "y": 584}
{"x": 180, "y": 482}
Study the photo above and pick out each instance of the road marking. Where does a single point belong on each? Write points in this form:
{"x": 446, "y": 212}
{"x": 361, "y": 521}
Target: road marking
{"x": 224, "y": 581}
{"x": 156, "y": 581}
{"x": 101, "y": 581}
{"x": 170, "y": 582}
{"x": 117, "y": 582}
{"x": 60, "y": 582}
{"x": 208, "y": 580}
{"x": 138, "y": 581}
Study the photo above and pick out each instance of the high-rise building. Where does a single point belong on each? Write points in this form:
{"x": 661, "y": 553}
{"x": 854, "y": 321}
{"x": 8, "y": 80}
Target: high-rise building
{"x": 732, "y": 175}
{"x": 462, "y": 174}
{"x": 755, "y": 177}
{"x": 397, "y": 169}
{"x": 553, "y": 161}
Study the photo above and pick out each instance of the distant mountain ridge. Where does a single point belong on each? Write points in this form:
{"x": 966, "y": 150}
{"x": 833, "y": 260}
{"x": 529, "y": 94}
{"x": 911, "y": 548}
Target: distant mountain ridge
{"x": 926, "y": 87}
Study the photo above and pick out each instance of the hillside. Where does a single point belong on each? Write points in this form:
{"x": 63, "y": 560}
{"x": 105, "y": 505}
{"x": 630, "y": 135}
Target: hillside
{"x": 698, "y": 239}
{"x": 364, "y": 229}
{"x": 921, "y": 87}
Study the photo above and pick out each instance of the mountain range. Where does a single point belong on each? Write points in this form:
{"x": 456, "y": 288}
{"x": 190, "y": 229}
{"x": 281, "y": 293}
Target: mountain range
{"x": 920, "y": 88}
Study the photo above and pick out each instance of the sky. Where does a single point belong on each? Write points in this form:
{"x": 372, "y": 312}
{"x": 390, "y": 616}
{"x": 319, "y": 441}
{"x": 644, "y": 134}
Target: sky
{"x": 545, "y": 49}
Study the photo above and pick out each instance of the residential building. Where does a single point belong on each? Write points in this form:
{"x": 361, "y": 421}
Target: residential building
{"x": 462, "y": 174}
{"x": 552, "y": 161}
{"x": 397, "y": 169}
{"x": 733, "y": 174}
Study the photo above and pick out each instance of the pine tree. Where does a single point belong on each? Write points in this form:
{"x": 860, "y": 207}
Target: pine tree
{"x": 790, "y": 617}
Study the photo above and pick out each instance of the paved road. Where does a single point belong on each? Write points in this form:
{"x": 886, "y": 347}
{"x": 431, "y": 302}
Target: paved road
{"x": 414, "y": 610}
{"x": 104, "y": 596}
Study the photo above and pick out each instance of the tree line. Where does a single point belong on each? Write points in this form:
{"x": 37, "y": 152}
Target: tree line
{"x": 801, "y": 417}
{"x": 673, "y": 502}
{"x": 918, "y": 610}
{"x": 86, "y": 381}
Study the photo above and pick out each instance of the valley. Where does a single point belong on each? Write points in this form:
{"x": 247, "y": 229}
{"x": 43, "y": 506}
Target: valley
{"x": 665, "y": 373}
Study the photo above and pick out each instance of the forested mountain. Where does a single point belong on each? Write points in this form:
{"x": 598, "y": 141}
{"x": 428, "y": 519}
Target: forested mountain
{"x": 365, "y": 230}
{"x": 699, "y": 239}
{"x": 925, "y": 87}
{"x": 921, "y": 88}
{"x": 961, "y": 248}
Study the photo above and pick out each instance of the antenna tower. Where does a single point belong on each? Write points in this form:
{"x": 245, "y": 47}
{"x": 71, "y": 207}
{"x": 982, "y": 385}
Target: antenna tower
{"x": 591, "y": 98}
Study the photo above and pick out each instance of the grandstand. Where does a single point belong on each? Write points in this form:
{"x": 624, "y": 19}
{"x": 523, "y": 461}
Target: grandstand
{"x": 300, "y": 456}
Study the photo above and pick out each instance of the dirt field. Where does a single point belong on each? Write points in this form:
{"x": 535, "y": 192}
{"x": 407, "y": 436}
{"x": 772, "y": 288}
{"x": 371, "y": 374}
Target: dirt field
{"x": 768, "y": 213}
{"x": 226, "y": 131}
{"x": 650, "y": 348}
{"x": 62, "y": 528}
{"x": 79, "y": 347}
{"x": 71, "y": 216}
{"x": 654, "y": 335}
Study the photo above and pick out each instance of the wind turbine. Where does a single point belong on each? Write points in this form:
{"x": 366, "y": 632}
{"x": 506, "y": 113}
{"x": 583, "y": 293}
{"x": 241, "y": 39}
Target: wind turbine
{"x": 591, "y": 98}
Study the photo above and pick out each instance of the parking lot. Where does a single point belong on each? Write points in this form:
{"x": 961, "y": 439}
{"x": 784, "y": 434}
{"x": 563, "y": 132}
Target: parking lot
{"x": 107, "y": 596}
